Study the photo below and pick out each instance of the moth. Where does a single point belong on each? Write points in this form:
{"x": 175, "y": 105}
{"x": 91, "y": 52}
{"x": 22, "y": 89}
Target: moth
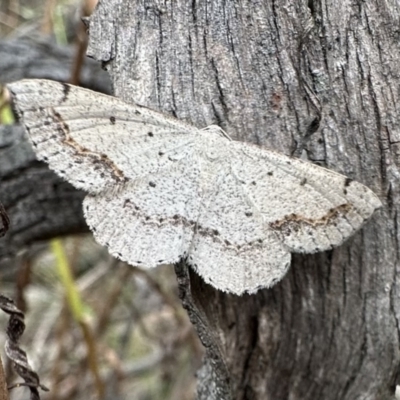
{"x": 160, "y": 189}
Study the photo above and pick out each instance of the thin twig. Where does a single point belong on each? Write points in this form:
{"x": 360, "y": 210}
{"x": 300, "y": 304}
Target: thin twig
{"x": 15, "y": 329}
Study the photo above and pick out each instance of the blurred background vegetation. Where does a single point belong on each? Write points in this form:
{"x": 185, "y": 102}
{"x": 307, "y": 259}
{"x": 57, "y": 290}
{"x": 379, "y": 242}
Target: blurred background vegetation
{"x": 96, "y": 328}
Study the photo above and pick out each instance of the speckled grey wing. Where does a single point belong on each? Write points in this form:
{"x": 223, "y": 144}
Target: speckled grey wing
{"x": 139, "y": 166}
{"x": 93, "y": 140}
{"x": 149, "y": 221}
{"x": 310, "y": 208}
{"x": 264, "y": 205}
{"x": 231, "y": 248}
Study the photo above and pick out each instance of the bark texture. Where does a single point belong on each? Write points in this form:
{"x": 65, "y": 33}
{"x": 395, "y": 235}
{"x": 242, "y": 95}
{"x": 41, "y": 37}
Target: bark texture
{"x": 314, "y": 78}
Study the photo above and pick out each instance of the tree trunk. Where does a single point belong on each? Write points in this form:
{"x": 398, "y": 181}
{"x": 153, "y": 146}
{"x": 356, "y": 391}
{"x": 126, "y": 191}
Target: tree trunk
{"x": 312, "y": 78}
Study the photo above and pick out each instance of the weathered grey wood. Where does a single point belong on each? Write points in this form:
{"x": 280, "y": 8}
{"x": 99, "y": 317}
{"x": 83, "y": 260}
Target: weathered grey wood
{"x": 40, "y": 57}
{"x": 315, "y": 78}
{"x": 308, "y": 77}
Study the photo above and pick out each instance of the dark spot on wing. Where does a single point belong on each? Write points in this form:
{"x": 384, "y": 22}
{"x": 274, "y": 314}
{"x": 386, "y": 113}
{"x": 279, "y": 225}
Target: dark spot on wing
{"x": 66, "y": 90}
{"x": 112, "y": 120}
{"x": 248, "y": 214}
{"x": 160, "y": 153}
{"x": 215, "y": 232}
{"x": 347, "y": 182}
{"x": 303, "y": 182}
{"x": 152, "y": 184}
{"x": 150, "y": 134}
{"x": 270, "y": 173}
{"x": 253, "y": 183}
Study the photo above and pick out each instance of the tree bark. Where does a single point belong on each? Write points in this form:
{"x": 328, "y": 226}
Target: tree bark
{"x": 313, "y": 78}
